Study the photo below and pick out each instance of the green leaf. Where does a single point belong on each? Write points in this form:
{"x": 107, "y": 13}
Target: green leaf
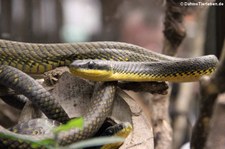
{"x": 44, "y": 142}
{"x": 74, "y": 123}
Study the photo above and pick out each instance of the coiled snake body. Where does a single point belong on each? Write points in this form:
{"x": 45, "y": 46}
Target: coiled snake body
{"x": 39, "y": 58}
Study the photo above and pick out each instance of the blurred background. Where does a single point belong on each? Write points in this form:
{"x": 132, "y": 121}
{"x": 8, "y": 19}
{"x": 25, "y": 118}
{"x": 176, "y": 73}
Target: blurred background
{"x": 83, "y": 20}
{"x": 138, "y": 22}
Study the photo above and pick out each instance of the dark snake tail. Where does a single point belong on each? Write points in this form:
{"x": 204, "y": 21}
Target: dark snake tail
{"x": 22, "y": 83}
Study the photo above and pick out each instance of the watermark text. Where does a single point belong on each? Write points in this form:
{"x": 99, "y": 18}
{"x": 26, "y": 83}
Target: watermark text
{"x": 201, "y": 4}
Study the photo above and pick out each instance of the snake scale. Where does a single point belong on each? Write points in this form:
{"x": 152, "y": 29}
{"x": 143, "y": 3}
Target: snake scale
{"x": 38, "y": 58}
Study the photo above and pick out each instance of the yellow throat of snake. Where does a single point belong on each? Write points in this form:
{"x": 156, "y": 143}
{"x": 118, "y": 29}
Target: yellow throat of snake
{"x": 91, "y": 74}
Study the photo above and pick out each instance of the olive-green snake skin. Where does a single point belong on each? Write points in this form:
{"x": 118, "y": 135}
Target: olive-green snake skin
{"x": 39, "y": 58}
{"x": 184, "y": 70}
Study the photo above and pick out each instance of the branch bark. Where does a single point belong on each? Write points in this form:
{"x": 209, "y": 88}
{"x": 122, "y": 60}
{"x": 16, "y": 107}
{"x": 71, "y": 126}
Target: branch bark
{"x": 211, "y": 87}
{"x": 174, "y": 30}
{"x": 217, "y": 132}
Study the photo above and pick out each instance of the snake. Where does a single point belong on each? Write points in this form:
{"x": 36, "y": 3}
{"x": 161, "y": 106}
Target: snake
{"x": 36, "y": 58}
{"x": 185, "y": 70}
{"x": 100, "y": 108}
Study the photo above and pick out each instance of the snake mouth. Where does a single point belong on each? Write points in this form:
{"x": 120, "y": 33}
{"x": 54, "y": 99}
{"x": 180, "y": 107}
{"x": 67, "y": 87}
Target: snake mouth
{"x": 90, "y": 70}
{"x": 91, "y": 74}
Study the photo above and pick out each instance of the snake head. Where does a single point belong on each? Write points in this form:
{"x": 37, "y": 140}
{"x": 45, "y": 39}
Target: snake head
{"x": 94, "y": 70}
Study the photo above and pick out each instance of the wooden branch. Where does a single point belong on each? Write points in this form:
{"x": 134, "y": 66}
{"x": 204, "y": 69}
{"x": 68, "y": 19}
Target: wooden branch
{"x": 217, "y": 132}
{"x": 150, "y": 87}
{"x": 174, "y": 33}
{"x": 201, "y": 128}
{"x": 210, "y": 88}
{"x": 160, "y": 120}
{"x": 174, "y": 30}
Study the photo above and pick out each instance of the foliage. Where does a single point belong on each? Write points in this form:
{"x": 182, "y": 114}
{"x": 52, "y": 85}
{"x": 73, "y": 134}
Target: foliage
{"x": 51, "y": 143}
{"x": 74, "y": 123}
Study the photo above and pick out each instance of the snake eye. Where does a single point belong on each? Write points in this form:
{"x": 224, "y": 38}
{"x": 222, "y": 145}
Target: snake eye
{"x": 91, "y": 64}
{"x": 109, "y": 131}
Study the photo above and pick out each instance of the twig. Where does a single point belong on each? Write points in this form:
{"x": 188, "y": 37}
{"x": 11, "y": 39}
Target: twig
{"x": 174, "y": 30}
